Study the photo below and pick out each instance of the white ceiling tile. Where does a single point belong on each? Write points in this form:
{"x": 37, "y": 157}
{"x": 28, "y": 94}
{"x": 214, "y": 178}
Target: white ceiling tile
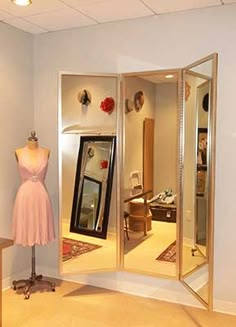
{"x": 60, "y": 19}
{"x": 229, "y": 1}
{"x": 75, "y": 3}
{"x": 111, "y": 10}
{"x": 162, "y": 6}
{"x": 25, "y": 26}
{"x": 4, "y": 15}
{"x": 36, "y": 7}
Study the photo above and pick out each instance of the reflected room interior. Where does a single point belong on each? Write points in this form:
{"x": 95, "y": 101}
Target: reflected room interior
{"x": 194, "y": 202}
{"x": 87, "y": 176}
{"x": 150, "y": 164}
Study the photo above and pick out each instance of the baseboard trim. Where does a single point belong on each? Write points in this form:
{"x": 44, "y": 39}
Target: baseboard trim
{"x": 225, "y": 307}
{"x": 7, "y": 282}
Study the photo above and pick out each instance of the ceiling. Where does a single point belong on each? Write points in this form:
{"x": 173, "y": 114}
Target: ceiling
{"x": 160, "y": 77}
{"x": 52, "y": 15}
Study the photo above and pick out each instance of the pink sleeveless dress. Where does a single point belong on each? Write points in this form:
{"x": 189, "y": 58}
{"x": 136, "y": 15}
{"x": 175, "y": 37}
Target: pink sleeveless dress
{"x": 32, "y": 213}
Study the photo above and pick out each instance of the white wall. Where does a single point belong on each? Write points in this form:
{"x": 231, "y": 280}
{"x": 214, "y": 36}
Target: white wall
{"x": 134, "y": 125}
{"x": 16, "y": 117}
{"x": 166, "y": 136}
{"x": 165, "y": 41}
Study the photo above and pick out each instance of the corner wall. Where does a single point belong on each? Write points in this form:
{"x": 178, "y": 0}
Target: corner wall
{"x": 16, "y": 117}
{"x": 165, "y": 41}
{"x": 166, "y": 136}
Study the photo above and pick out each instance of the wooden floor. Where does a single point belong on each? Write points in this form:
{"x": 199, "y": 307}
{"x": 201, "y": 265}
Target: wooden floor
{"x": 74, "y": 305}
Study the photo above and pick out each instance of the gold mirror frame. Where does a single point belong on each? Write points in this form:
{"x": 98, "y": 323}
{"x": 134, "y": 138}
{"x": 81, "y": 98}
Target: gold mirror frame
{"x": 75, "y": 130}
{"x": 211, "y": 184}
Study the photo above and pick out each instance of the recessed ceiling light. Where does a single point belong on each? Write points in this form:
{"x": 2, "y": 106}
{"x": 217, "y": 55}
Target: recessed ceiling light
{"x": 169, "y": 76}
{"x": 22, "y": 2}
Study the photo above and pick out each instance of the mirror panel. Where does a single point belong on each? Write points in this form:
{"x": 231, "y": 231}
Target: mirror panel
{"x": 198, "y": 179}
{"x": 151, "y": 173}
{"x": 82, "y": 252}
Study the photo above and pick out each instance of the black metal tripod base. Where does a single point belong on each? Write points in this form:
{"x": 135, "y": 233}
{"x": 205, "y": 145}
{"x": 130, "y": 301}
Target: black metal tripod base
{"x": 29, "y": 284}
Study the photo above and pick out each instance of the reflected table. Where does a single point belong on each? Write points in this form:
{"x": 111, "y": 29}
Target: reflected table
{"x": 130, "y": 195}
{"x": 4, "y": 243}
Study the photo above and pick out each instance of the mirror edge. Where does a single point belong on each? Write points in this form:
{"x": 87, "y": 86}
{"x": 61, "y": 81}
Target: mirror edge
{"x": 212, "y": 159}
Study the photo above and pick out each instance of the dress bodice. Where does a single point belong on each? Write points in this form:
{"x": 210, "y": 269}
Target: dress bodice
{"x": 29, "y": 173}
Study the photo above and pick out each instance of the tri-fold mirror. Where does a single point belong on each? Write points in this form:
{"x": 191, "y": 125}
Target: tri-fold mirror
{"x": 137, "y": 183}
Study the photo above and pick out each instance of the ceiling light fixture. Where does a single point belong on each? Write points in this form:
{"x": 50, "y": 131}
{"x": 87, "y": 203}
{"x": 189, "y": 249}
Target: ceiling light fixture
{"x": 22, "y": 2}
{"x": 169, "y": 76}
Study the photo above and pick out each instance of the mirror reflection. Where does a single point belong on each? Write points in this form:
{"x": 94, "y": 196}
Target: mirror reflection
{"x": 85, "y": 250}
{"x": 150, "y": 172}
{"x": 196, "y": 226}
{"x": 93, "y": 184}
{"x": 90, "y": 203}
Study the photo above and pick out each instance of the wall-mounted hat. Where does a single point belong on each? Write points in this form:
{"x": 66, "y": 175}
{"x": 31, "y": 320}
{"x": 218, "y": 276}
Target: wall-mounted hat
{"x": 84, "y": 97}
{"x": 205, "y": 102}
{"x": 129, "y": 105}
{"x": 138, "y": 100}
{"x": 187, "y": 90}
{"x": 91, "y": 152}
{"x": 108, "y": 105}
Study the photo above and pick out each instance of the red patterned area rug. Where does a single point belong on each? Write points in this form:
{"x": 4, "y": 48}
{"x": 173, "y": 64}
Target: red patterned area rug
{"x": 169, "y": 254}
{"x": 72, "y": 248}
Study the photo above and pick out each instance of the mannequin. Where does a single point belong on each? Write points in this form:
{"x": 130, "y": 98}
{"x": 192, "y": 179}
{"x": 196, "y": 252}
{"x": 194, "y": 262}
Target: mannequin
{"x": 33, "y": 146}
{"x": 32, "y": 214}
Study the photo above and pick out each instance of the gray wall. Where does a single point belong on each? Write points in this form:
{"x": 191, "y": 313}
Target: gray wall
{"x": 16, "y": 117}
{"x": 166, "y": 136}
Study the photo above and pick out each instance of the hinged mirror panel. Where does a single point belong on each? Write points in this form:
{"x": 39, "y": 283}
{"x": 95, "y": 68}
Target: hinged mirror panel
{"x": 199, "y": 113}
{"x": 151, "y": 172}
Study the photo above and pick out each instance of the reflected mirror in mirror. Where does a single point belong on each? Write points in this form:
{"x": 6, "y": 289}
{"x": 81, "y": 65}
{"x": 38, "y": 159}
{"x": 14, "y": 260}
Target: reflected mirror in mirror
{"x": 93, "y": 185}
{"x": 150, "y": 172}
{"x": 89, "y": 203}
{"x": 197, "y": 192}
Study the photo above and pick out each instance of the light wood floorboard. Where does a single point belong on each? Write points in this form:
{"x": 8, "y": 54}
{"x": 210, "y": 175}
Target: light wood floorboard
{"x": 74, "y": 305}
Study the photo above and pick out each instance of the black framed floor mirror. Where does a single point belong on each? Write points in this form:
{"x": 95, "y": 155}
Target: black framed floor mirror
{"x": 93, "y": 185}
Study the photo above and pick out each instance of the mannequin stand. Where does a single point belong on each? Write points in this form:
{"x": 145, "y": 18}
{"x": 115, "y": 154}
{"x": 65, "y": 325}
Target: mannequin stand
{"x": 33, "y": 281}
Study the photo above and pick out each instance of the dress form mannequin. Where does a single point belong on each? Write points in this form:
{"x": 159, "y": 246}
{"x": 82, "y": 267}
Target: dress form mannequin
{"x": 32, "y": 215}
{"x": 33, "y": 146}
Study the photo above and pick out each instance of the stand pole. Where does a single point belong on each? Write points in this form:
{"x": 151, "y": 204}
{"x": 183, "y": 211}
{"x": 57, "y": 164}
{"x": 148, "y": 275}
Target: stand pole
{"x": 33, "y": 273}
{"x": 34, "y": 280}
